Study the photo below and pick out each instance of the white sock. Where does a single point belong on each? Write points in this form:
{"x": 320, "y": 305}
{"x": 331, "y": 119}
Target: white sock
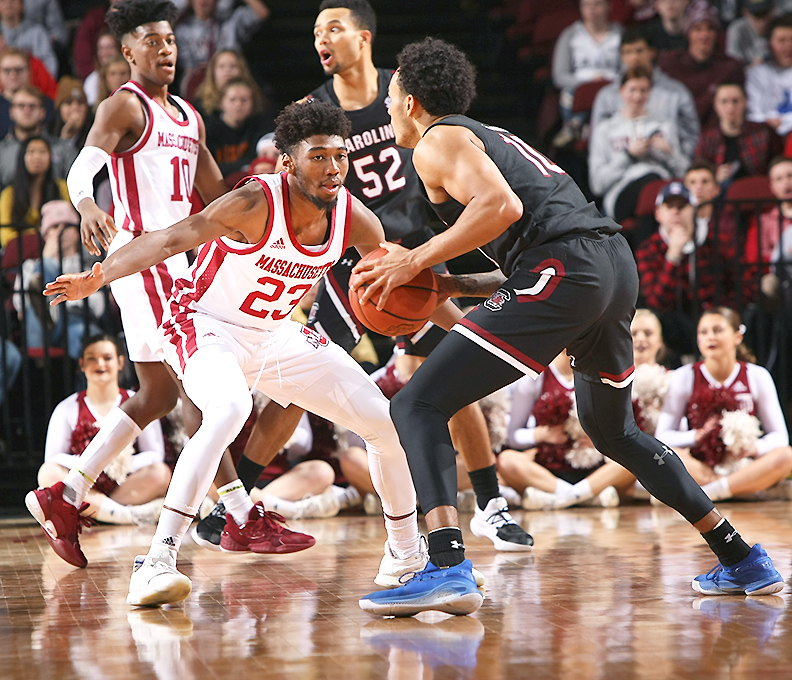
{"x": 403, "y": 536}
{"x": 562, "y": 487}
{"x": 289, "y": 509}
{"x": 117, "y": 432}
{"x": 114, "y": 513}
{"x": 718, "y": 490}
{"x": 347, "y": 497}
{"x": 574, "y": 494}
{"x": 170, "y": 530}
{"x": 236, "y": 500}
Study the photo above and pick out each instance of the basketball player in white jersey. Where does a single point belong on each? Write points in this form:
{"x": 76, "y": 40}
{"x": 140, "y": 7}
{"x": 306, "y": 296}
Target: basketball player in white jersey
{"x": 343, "y": 36}
{"x": 265, "y": 244}
{"x": 153, "y": 145}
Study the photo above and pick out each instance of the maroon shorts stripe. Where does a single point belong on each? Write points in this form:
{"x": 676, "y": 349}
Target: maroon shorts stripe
{"x": 500, "y": 344}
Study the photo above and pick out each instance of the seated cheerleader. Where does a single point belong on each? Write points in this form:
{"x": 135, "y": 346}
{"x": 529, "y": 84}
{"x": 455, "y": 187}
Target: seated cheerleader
{"x": 735, "y": 442}
{"x": 552, "y": 462}
{"x": 132, "y": 488}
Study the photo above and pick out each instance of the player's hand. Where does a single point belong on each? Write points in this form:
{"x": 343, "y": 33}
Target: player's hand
{"x": 75, "y": 286}
{"x": 385, "y": 274}
{"x": 96, "y": 227}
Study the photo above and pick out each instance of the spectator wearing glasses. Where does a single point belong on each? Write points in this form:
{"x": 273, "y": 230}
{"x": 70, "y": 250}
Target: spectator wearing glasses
{"x": 15, "y": 71}
{"x": 27, "y": 115}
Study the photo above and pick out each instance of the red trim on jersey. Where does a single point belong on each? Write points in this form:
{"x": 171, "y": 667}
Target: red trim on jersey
{"x": 133, "y": 200}
{"x": 228, "y": 245}
{"x": 287, "y": 215}
{"x": 347, "y": 220}
{"x": 180, "y": 329}
{"x": 621, "y": 377}
{"x": 140, "y": 143}
{"x": 500, "y": 344}
{"x": 186, "y": 121}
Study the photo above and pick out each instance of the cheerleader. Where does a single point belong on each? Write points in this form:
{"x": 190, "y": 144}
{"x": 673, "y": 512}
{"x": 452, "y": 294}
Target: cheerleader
{"x": 735, "y": 442}
{"x": 551, "y": 460}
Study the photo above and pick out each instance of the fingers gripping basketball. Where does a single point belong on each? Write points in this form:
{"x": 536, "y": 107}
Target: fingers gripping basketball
{"x": 407, "y": 309}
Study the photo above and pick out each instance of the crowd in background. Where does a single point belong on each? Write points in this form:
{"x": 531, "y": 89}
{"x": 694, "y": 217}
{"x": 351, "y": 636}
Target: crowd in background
{"x": 683, "y": 97}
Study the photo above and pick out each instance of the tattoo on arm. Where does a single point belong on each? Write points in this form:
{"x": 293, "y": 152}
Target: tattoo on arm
{"x": 478, "y": 285}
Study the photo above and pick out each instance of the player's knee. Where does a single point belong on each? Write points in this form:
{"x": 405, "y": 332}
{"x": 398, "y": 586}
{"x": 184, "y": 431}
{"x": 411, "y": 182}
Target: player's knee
{"x": 231, "y": 410}
{"x": 319, "y": 472}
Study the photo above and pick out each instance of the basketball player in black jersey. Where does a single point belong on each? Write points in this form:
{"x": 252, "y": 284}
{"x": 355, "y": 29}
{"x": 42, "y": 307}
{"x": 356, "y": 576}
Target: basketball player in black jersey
{"x": 571, "y": 284}
{"x": 382, "y": 175}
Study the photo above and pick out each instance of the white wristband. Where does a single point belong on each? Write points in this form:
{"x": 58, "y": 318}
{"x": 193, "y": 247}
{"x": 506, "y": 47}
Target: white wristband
{"x": 82, "y": 172}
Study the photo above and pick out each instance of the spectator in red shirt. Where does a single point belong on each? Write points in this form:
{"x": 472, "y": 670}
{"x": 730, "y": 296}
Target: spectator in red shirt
{"x": 702, "y": 66}
{"x": 737, "y": 147}
{"x": 683, "y": 268}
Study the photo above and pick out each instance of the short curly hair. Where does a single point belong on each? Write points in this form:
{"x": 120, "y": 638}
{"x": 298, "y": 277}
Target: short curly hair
{"x": 301, "y": 120}
{"x": 125, "y": 16}
{"x": 439, "y": 75}
{"x": 363, "y": 13}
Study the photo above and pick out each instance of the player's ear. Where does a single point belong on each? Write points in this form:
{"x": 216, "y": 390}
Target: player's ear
{"x": 287, "y": 162}
{"x": 365, "y": 37}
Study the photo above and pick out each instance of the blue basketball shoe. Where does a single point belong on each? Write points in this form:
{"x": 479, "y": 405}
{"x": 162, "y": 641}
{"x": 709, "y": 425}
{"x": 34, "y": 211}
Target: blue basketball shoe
{"x": 755, "y": 575}
{"x": 449, "y": 589}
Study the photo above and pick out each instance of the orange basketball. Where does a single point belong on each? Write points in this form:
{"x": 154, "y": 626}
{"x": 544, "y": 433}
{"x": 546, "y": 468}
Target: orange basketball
{"x": 408, "y": 306}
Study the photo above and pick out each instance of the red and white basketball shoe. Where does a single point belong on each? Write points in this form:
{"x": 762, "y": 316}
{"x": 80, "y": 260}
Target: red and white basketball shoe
{"x": 60, "y": 520}
{"x": 264, "y": 533}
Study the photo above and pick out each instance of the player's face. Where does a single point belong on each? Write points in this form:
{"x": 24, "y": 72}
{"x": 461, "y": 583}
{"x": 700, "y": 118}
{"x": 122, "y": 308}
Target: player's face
{"x": 647, "y": 338}
{"x": 407, "y": 134}
{"x": 716, "y": 338}
{"x": 319, "y": 165}
{"x": 151, "y": 52}
{"x": 702, "y": 185}
{"x": 100, "y": 362}
{"x": 337, "y": 40}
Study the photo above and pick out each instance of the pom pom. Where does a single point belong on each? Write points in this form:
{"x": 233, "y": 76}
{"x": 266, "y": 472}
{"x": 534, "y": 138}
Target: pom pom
{"x": 121, "y": 466}
{"x": 740, "y": 432}
{"x": 650, "y": 384}
{"x": 581, "y": 456}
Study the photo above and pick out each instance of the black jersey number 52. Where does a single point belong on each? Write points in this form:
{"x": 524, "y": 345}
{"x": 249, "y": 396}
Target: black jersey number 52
{"x": 371, "y": 180}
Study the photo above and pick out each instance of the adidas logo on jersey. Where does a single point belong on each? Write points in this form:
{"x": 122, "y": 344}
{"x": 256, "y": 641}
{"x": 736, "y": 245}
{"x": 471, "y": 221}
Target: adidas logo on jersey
{"x": 279, "y": 244}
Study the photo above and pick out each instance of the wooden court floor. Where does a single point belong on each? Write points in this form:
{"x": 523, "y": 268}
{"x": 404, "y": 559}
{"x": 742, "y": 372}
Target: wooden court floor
{"x": 605, "y": 595}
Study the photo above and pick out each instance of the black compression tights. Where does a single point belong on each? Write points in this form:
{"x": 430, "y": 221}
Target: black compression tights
{"x": 459, "y": 372}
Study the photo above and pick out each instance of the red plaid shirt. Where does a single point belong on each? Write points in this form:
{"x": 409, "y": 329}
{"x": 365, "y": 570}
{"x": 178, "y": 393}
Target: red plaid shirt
{"x": 757, "y": 144}
{"x": 666, "y": 286}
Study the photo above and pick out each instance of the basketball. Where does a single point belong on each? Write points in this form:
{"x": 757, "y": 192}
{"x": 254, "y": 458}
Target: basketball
{"x": 408, "y": 306}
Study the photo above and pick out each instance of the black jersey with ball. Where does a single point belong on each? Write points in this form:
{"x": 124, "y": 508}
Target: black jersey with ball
{"x": 381, "y": 174}
{"x": 553, "y": 205}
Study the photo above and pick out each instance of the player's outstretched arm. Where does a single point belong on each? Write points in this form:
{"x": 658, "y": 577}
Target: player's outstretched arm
{"x": 365, "y": 229}
{"x": 241, "y": 215}
{"x": 75, "y": 286}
